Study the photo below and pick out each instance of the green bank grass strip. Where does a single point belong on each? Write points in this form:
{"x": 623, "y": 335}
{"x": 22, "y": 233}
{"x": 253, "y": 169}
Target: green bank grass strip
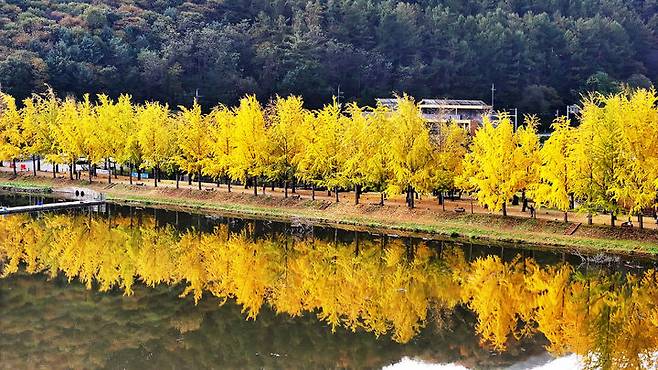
{"x": 24, "y": 185}
{"x": 462, "y": 229}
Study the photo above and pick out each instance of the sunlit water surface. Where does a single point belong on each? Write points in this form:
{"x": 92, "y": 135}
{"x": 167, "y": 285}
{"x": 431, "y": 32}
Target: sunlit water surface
{"x": 119, "y": 287}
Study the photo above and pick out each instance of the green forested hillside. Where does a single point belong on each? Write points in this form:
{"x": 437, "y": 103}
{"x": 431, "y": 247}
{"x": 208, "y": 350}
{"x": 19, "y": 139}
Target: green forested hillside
{"x": 541, "y": 54}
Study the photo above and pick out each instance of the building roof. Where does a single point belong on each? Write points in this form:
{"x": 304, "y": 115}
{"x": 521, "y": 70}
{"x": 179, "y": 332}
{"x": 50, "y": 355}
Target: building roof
{"x": 440, "y": 103}
{"x": 388, "y": 102}
{"x": 454, "y": 103}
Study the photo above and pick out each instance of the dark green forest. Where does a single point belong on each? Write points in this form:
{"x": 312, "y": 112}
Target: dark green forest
{"x": 540, "y": 54}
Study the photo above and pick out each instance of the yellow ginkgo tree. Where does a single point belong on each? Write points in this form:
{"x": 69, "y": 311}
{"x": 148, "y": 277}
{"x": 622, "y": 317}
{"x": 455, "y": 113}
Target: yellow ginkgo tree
{"x": 309, "y": 162}
{"x": 356, "y": 149}
{"x": 499, "y": 164}
{"x": 284, "y": 139}
{"x": 556, "y": 185}
{"x": 598, "y": 153}
{"x": 12, "y": 142}
{"x": 156, "y": 137}
{"x": 410, "y": 150}
{"x": 193, "y": 141}
{"x": 378, "y": 135}
{"x": 330, "y": 159}
{"x": 249, "y": 153}
{"x": 636, "y": 184}
{"x": 449, "y": 145}
{"x": 43, "y": 142}
{"x": 222, "y": 144}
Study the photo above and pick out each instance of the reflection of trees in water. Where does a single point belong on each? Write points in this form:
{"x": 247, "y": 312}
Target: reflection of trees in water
{"x": 58, "y": 325}
{"x": 383, "y": 288}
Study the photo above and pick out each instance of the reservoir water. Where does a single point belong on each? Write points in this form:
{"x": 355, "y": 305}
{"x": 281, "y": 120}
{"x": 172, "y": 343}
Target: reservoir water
{"x": 137, "y": 288}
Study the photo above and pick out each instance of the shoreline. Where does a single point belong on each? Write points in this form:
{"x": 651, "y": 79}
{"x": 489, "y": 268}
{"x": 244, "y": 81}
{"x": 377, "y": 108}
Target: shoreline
{"x": 428, "y": 224}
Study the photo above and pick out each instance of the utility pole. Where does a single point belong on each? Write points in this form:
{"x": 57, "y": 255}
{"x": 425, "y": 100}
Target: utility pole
{"x": 197, "y": 96}
{"x": 339, "y": 95}
{"x": 516, "y": 119}
{"x": 572, "y": 110}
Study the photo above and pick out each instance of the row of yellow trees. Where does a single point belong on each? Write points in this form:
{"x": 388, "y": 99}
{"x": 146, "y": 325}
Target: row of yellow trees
{"x": 282, "y": 142}
{"x": 609, "y": 163}
{"x": 383, "y": 287}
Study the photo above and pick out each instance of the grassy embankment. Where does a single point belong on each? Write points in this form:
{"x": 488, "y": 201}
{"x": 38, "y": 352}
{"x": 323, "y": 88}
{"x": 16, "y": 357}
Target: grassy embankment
{"x": 485, "y": 228}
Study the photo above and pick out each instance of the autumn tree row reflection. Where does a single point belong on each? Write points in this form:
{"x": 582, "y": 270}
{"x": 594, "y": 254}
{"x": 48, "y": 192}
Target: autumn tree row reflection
{"x": 386, "y": 288}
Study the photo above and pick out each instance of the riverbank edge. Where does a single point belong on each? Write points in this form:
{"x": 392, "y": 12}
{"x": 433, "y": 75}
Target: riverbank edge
{"x": 439, "y": 229}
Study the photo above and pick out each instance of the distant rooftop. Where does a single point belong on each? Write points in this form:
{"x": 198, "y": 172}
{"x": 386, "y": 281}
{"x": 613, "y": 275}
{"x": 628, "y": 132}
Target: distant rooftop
{"x": 388, "y": 102}
{"x": 439, "y": 103}
{"x": 453, "y": 102}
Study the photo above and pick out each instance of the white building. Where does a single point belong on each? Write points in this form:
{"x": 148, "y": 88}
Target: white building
{"x": 467, "y": 113}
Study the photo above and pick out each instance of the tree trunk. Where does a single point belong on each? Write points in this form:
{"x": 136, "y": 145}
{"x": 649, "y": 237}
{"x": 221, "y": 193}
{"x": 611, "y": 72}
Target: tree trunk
{"x": 130, "y": 175}
{"x": 155, "y": 176}
{"x": 612, "y": 218}
{"x": 177, "y": 181}
{"x": 228, "y": 183}
{"x": 38, "y": 163}
{"x": 272, "y": 186}
{"x": 313, "y": 191}
{"x": 357, "y": 194}
{"x": 381, "y": 198}
{"x": 109, "y": 173}
{"x": 199, "y": 178}
{"x": 264, "y": 185}
{"x": 294, "y": 185}
{"x": 524, "y": 201}
{"x": 255, "y": 186}
{"x": 640, "y": 221}
{"x": 71, "y": 169}
{"x": 589, "y": 218}
{"x": 34, "y": 164}
{"x": 54, "y": 175}
{"x": 15, "y": 170}
{"x": 189, "y": 179}
{"x": 337, "y": 195}
{"x": 566, "y": 216}
{"x": 442, "y": 200}
{"x": 285, "y": 188}
{"x": 91, "y": 170}
{"x": 139, "y": 174}
{"x": 410, "y": 196}
{"x": 505, "y": 209}
{"x": 471, "y": 203}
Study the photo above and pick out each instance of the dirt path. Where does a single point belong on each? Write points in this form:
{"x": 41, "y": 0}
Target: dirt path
{"x": 425, "y": 202}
